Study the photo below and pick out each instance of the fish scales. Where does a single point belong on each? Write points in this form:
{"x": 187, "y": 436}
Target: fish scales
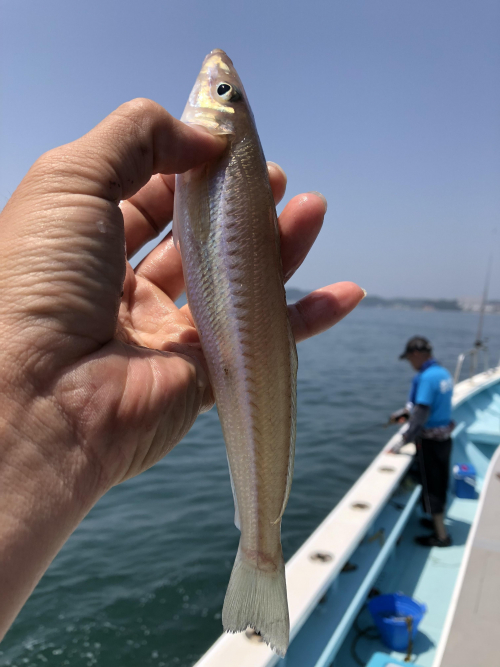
{"x": 226, "y": 229}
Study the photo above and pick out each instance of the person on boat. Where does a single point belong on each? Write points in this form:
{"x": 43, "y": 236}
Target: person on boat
{"x": 428, "y": 413}
{"x": 102, "y": 375}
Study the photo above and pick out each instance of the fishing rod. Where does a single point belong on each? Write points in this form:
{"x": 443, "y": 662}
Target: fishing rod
{"x": 364, "y": 429}
{"x": 479, "y": 343}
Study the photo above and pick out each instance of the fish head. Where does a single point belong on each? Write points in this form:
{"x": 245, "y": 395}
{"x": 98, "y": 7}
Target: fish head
{"x": 218, "y": 100}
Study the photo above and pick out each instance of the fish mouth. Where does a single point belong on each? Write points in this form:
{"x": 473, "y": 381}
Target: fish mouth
{"x": 219, "y": 52}
{"x": 217, "y": 56}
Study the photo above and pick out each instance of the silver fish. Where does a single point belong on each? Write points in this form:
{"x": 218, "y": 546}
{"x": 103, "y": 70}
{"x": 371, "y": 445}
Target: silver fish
{"x": 226, "y": 229}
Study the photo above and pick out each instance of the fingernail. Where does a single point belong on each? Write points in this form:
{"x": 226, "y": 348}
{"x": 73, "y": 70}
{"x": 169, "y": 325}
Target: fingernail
{"x": 322, "y": 197}
{"x": 364, "y": 293}
{"x": 276, "y": 166}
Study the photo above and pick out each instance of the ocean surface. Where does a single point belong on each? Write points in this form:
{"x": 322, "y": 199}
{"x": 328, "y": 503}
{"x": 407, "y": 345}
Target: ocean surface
{"x": 142, "y": 580}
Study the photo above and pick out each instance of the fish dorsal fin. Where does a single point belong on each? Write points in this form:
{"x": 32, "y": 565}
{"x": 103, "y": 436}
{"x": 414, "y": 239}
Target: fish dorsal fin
{"x": 237, "y": 521}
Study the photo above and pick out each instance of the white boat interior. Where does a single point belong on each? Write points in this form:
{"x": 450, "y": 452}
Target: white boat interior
{"x": 366, "y": 545}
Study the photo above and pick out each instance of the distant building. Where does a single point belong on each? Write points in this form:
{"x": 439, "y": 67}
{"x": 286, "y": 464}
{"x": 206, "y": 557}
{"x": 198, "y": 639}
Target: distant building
{"x": 472, "y": 304}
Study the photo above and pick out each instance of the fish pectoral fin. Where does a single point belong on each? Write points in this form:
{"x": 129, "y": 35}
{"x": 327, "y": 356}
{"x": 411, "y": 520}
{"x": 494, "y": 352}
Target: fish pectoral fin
{"x": 175, "y": 233}
{"x": 198, "y": 204}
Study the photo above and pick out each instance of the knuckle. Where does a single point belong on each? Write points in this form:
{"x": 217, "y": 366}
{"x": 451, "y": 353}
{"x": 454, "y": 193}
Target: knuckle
{"x": 47, "y": 173}
{"x": 139, "y": 109}
{"x": 47, "y": 162}
{"x": 138, "y": 119}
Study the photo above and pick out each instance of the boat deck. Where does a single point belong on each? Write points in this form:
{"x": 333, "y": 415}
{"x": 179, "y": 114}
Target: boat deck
{"x": 428, "y": 575}
{"x": 373, "y": 528}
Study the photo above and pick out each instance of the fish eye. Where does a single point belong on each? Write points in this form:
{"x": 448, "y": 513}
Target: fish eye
{"x": 227, "y": 92}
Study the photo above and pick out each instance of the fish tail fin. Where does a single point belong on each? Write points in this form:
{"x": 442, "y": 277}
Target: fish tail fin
{"x": 257, "y": 598}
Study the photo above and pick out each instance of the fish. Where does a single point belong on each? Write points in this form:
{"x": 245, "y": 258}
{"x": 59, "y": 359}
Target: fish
{"x": 226, "y": 229}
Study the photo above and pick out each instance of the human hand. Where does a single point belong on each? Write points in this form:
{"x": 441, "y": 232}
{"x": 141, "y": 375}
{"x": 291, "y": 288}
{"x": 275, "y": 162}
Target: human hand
{"x": 72, "y": 337}
{"x": 397, "y": 442}
{"x": 399, "y": 417}
{"x": 101, "y": 373}
{"x": 395, "y": 449}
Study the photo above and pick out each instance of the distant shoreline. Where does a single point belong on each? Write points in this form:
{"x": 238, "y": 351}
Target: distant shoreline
{"x": 404, "y": 303}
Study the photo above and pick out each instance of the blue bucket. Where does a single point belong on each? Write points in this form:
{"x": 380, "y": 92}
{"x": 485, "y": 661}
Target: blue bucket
{"x": 465, "y": 480}
{"x": 389, "y": 613}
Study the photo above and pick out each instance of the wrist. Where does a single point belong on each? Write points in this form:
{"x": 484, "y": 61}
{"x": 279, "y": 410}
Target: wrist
{"x": 45, "y": 491}
{"x": 40, "y": 459}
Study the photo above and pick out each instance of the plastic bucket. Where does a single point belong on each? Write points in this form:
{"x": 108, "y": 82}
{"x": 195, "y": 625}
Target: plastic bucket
{"x": 390, "y": 613}
{"x": 465, "y": 480}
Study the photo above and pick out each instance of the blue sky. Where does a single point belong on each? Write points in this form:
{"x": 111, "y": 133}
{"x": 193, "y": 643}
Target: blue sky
{"x": 390, "y": 108}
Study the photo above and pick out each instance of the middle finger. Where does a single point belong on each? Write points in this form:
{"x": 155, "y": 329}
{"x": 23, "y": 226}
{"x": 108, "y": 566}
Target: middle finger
{"x": 149, "y": 211}
{"x": 299, "y": 225}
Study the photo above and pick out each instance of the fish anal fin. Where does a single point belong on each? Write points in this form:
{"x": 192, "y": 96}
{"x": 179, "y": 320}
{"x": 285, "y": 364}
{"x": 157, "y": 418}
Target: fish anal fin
{"x": 293, "y": 429}
{"x": 237, "y": 521}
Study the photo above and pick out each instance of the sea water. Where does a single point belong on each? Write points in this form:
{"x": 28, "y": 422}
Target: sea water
{"x": 143, "y": 578}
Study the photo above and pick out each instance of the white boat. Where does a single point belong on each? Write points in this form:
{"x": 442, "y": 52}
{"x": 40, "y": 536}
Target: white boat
{"x": 365, "y": 545}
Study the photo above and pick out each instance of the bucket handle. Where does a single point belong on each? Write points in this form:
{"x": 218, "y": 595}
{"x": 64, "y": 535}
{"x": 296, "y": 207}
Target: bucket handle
{"x": 409, "y": 625}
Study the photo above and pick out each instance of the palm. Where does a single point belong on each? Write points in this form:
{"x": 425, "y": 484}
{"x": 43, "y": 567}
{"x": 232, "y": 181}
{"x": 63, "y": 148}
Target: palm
{"x": 150, "y": 318}
{"x": 156, "y": 343}
{"x": 126, "y": 388}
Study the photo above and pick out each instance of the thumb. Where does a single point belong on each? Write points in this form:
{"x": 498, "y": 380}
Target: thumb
{"x": 117, "y": 157}
{"x": 138, "y": 140}
{"x": 62, "y": 259}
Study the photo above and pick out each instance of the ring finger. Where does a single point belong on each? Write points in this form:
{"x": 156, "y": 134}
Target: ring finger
{"x": 299, "y": 225}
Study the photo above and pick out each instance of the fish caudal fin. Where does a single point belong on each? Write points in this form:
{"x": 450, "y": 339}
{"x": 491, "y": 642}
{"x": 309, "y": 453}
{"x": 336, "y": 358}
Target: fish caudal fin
{"x": 257, "y": 598}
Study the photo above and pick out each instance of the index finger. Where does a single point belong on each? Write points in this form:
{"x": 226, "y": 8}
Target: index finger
{"x": 148, "y": 212}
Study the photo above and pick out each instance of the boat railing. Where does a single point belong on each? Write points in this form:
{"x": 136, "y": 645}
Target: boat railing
{"x": 477, "y": 354}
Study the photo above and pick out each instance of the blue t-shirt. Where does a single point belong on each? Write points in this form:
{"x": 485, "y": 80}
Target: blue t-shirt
{"x": 433, "y": 386}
